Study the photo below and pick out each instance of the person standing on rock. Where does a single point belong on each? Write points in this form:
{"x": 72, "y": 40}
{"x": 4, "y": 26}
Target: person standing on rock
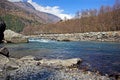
{"x": 2, "y": 29}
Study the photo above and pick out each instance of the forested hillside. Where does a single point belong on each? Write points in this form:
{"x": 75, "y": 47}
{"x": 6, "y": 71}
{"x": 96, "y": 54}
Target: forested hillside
{"x": 105, "y": 19}
{"x": 21, "y": 14}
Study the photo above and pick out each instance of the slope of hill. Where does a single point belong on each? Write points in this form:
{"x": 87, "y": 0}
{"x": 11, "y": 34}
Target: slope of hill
{"x": 105, "y": 19}
{"x": 49, "y": 18}
{"x": 22, "y": 14}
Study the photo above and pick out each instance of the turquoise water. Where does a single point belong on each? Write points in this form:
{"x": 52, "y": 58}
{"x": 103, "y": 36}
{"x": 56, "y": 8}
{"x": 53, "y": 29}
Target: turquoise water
{"x": 102, "y": 56}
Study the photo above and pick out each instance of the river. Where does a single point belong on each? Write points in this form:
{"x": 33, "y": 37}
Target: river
{"x": 101, "y": 56}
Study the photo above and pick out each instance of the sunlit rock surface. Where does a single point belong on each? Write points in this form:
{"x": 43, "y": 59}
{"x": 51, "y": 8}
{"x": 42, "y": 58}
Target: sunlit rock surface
{"x": 14, "y": 37}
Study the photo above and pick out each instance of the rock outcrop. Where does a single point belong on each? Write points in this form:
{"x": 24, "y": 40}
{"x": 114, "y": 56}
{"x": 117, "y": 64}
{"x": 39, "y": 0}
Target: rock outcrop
{"x": 2, "y": 29}
{"x": 49, "y": 62}
{"x": 11, "y": 36}
{"x": 3, "y": 60}
{"x": 59, "y": 62}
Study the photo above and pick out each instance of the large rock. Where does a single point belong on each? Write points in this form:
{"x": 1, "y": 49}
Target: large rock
{"x": 59, "y": 62}
{"x": 4, "y": 53}
{"x": 31, "y": 60}
{"x": 27, "y": 60}
{"x": 5, "y": 62}
{"x": 12, "y": 64}
{"x": 14, "y": 37}
{"x": 3, "y": 59}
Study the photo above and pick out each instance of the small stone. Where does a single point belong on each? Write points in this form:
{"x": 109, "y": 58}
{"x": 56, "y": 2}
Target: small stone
{"x": 28, "y": 58}
{"x": 4, "y": 51}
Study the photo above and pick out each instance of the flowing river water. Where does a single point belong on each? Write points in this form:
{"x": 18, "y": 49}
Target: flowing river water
{"x": 101, "y": 56}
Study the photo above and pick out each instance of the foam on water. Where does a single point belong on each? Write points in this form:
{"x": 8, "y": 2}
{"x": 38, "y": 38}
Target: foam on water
{"x": 40, "y": 40}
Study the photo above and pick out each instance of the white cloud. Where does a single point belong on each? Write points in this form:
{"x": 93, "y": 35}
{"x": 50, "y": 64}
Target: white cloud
{"x": 48, "y": 9}
{"x": 15, "y": 0}
{"x": 53, "y": 10}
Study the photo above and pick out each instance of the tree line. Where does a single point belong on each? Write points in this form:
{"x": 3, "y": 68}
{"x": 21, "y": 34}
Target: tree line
{"x": 90, "y": 20}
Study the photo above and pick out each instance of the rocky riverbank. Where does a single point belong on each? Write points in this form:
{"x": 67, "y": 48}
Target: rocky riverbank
{"x": 112, "y": 36}
{"x": 33, "y": 68}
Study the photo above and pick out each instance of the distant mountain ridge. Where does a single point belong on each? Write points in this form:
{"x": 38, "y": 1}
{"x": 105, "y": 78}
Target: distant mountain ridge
{"x": 21, "y": 14}
{"x": 49, "y": 18}
{"x": 24, "y": 5}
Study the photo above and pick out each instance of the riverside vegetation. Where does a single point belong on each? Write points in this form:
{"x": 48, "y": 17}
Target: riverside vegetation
{"x": 20, "y": 17}
{"x": 91, "y": 20}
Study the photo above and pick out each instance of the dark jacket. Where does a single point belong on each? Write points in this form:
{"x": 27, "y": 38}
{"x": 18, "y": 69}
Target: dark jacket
{"x": 2, "y": 29}
{"x": 2, "y": 26}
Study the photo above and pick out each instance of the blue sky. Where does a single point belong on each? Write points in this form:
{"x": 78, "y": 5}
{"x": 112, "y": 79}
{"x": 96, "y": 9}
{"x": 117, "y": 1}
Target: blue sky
{"x": 66, "y": 8}
{"x": 72, "y": 6}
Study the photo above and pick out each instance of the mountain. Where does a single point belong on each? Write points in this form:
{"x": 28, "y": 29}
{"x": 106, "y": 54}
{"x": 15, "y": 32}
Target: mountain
{"x": 24, "y": 5}
{"x": 18, "y": 15}
{"x": 49, "y": 18}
